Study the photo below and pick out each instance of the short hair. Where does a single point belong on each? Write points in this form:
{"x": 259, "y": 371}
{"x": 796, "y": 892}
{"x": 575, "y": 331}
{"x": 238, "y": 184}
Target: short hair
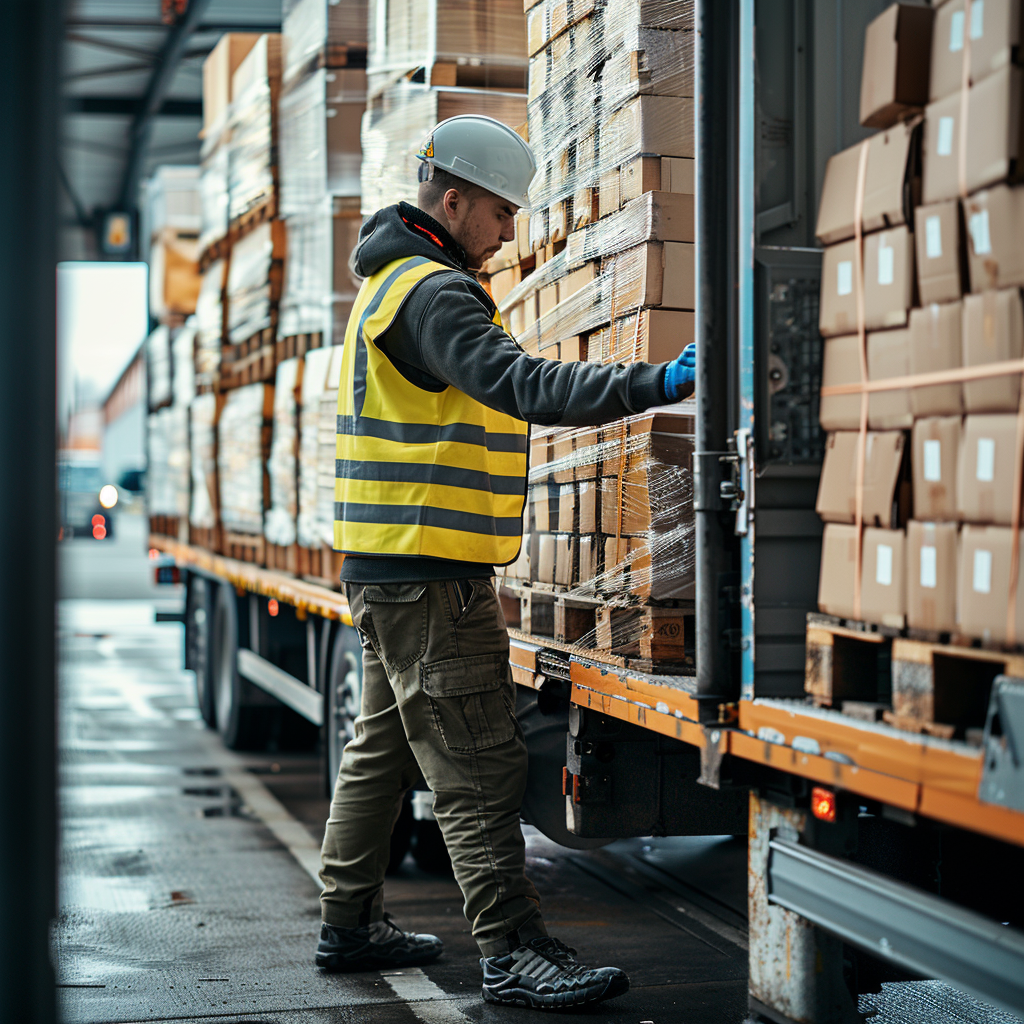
{"x": 432, "y": 191}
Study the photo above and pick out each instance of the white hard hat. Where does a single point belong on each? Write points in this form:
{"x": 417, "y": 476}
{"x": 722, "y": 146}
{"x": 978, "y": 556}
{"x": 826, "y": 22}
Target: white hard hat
{"x": 481, "y": 150}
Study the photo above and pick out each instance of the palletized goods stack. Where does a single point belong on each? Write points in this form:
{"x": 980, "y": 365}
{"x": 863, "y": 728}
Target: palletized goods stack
{"x": 924, "y": 234}
{"x": 603, "y": 270}
{"x": 279, "y": 525}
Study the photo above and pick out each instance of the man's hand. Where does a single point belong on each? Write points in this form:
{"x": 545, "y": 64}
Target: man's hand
{"x": 680, "y": 374}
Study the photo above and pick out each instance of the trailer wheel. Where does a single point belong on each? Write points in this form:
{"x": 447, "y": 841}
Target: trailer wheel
{"x": 242, "y": 726}
{"x": 199, "y": 612}
{"x": 342, "y": 697}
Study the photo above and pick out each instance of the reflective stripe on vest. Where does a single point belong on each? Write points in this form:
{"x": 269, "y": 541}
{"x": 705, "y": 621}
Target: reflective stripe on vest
{"x": 423, "y": 473}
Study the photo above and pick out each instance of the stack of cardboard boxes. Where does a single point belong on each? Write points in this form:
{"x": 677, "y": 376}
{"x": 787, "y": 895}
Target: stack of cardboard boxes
{"x": 942, "y": 264}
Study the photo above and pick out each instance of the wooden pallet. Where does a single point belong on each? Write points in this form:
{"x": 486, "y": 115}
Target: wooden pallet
{"x": 244, "y": 547}
{"x": 448, "y": 74}
{"x": 207, "y": 538}
{"x": 250, "y": 361}
{"x": 260, "y": 212}
{"x": 321, "y": 565}
{"x": 298, "y": 345}
{"x": 283, "y": 557}
{"x": 216, "y": 250}
{"x": 165, "y": 526}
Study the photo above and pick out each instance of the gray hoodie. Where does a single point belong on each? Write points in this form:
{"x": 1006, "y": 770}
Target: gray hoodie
{"x": 444, "y": 336}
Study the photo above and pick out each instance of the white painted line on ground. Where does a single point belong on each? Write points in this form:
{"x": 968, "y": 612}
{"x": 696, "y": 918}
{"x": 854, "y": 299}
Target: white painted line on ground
{"x": 429, "y": 1002}
{"x": 292, "y": 834}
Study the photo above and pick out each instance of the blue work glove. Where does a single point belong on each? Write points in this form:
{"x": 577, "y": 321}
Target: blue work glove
{"x": 680, "y": 373}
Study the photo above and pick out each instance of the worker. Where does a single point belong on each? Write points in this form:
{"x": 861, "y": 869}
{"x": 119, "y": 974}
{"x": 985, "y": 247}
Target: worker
{"x": 434, "y": 404}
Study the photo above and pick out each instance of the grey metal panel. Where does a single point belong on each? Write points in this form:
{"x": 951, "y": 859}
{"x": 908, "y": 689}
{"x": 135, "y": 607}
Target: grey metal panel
{"x": 896, "y": 922}
{"x": 1002, "y": 780}
{"x": 280, "y": 684}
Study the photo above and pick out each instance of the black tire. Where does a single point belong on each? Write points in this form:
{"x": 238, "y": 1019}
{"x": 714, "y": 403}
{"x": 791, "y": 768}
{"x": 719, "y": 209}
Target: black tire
{"x": 198, "y": 629}
{"x": 242, "y": 726}
{"x": 342, "y": 696}
{"x": 429, "y": 850}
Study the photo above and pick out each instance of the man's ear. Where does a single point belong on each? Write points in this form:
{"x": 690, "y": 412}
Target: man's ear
{"x": 451, "y": 202}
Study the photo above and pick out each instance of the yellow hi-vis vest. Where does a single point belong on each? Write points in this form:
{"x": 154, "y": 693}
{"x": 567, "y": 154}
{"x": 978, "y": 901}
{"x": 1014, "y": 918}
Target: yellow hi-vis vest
{"x": 434, "y": 474}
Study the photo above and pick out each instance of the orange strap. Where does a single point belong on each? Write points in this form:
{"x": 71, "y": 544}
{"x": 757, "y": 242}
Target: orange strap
{"x": 862, "y": 436}
{"x": 959, "y": 375}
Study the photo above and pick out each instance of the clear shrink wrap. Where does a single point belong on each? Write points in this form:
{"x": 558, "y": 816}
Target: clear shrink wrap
{"x": 319, "y": 32}
{"x": 314, "y": 381}
{"x": 168, "y": 476}
{"x": 210, "y": 324}
{"x": 183, "y": 348}
{"x": 158, "y": 366}
{"x": 213, "y": 192}
{"x": 158, "y": 492}
{"x": 396, "y": 123}
{"x": 480, "y": 43}
{"x": 203, "y": 429}
{"x": 319, "y": 288}
{"x": 255, "y": 277}
{"x": 240, "y": 457}
{"x": 319, "y": 127}
{"x": 282, "y": 466}
{"x": 327, "y": 448}
{"x": 252, "y": 148}
{"x": 172, "y": 201}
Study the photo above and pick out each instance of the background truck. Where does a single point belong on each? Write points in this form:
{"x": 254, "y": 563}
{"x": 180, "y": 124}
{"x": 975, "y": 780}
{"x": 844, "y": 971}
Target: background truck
{"x": 676, "y": 672}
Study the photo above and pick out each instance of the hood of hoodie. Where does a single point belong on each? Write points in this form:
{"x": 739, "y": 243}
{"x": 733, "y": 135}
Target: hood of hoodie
{"x": 387, "y": 236}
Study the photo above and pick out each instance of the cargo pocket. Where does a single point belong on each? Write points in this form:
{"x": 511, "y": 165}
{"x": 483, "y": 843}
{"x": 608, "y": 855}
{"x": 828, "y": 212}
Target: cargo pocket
{"x": 398, "y": 617}
{"x": 469, "y": 702}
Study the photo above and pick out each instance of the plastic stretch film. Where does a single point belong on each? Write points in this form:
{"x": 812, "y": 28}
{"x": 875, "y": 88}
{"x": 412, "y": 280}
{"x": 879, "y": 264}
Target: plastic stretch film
{"x": 254, "y": 281}
{"x": 172, "y": 201}
{"x": 314, "y": 380}
{"x": 282, "y": 466}
{"x": 158, "y": 366}
{"x": 396, "y": 123}
{"x": 319, "y": 32}
{"x": 252, "y": 149}
{"x": 168, "y": 493}
{"x": 203, "y": 424}
{"x": 319, "y": 127}
{"x": 240, "y": 457}
{"x": 459, "y": 42}
{"x": 210, "y": 324}
{"x": 213, "y": 193}
{"x": 327, "y": 444}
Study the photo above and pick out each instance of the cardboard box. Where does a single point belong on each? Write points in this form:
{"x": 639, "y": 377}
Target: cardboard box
{"x": 544, "y": 504}
{"x": 174, "y": 279}
{"x": 503, "y": 281}
{"x": 587, "y": 453}
{"x": 649, "y": 124}
{"x": 608, "y": 194}
{"x": 838, "y": 566}
{"x": 218, "y": 70}
{"x": 589, "y": 548}
{"x": 897, "y": 52}
{"x": 656, "y": 174}
{"x": 888, "y": 278}
{"x": 886, "y": 483}
{"x": 565, "y": 552}
{"x": 941, "y": 267}
{"x": 892, "y": 184}
{"x": 651, "y": 335}
{"x": 985, "y": 475}
{"x": 587, "y": 507}
{"x": 935, "y": 344}
{"x": 654, "y": 274}
{"x": 883, "y": 593}
{"x": 566, "y": 508}
{"x": 837, "y": 313}
{"x": 545, "y": 557}
{"x": 995, "y": 35}
{"x": 983, "y": 589}
{"x": 994, "y": 137}
{"x": 995, "y": 225}
{"x": 993, "y": 332}
{"x": 889, "y": 356}
{"x": 840, "y": 365}
{"x": 931, "y": 576}
{"x": 935, "y": 453}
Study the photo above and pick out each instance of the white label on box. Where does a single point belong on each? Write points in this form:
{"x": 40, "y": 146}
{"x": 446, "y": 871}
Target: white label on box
{"x": 844, "y": 277}
{"x": 933, "y": 461}
{"x": 944, "y": 144}
{"x": 886, "y": 263}
{"x": 979, "y": 233}
{"x": 982, "y": 582}
{"x": 956, "y": 32}
{"x": 883, "y": 565}
{"x": 933, "y": 236}
{"x": 986, "y": 460}
{"x": 977, "y": 19}
{"x": 928, "y": 567}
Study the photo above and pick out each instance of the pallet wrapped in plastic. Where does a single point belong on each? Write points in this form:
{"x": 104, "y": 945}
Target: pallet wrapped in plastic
{"x": 172, "y": 201}
{"x": 314, "y": 381}
{"x": 183, "y": 349}
{"x": 319, "y": 124}
{"x": 476, "y": 43}
{"x": 241, "y": 451}
{"x": 319, "y": 288}
{"x": 397, "y": 121}
{"x": 213, "y": 192}
{"x": 321, "y": 33}
{"x": 210, "y": 324}
{"x": 168, "y": 476}
{"x": 255, "y": 278}
{"x": 282, "y": 466}
{"x": 158, "y": 366}
{"x": 327, "y": 446}
{"x": 203, "y": 431}
{"x": 252, "y": 146}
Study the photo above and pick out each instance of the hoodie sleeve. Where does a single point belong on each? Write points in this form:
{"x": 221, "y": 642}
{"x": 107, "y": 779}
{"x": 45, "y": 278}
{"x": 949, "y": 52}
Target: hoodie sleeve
{"x": 457, "y": 342}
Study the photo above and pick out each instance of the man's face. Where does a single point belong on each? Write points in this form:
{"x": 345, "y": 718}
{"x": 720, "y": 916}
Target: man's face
{"x": 480, "y": 223}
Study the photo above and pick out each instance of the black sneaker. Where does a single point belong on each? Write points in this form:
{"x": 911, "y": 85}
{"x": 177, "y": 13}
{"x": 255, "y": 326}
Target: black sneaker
{"x": 544, "y": 974}
{"x": 381, "y": 944}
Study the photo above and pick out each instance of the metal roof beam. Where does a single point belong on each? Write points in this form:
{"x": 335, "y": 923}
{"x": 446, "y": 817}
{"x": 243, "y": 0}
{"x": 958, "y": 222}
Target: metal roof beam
{"x": 130, "y": 106}
{"x": 134, "y": 24}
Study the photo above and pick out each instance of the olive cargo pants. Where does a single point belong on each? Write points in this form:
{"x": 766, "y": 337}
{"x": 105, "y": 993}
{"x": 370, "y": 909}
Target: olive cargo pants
{"x": 438, "y": 699}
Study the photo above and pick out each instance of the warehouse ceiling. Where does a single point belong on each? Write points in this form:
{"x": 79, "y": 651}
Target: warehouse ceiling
{"x": 133, "y": 96}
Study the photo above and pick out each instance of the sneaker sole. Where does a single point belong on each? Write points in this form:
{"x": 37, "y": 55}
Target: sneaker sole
{"x": 336, "y": 963}
{"x": 531, "y": 1000}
